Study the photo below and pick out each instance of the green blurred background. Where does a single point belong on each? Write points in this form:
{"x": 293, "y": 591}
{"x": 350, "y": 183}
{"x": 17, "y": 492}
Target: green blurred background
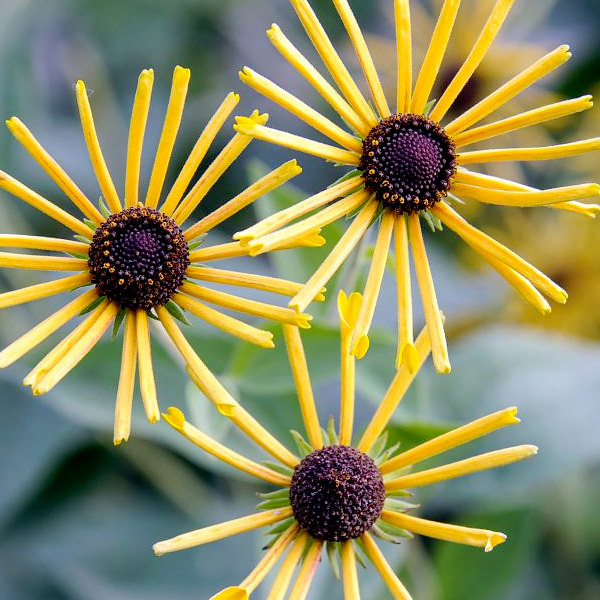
{"x": 78, "y": 517}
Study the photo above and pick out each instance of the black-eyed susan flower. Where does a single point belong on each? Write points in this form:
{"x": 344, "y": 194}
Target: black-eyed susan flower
{"x": 411, "y": 161}
{"x": 136, "y": 254}
{"x": 339, "y": 497}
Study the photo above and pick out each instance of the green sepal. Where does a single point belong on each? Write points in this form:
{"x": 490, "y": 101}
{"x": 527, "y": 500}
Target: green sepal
{"x": 379, "y": 445}
{"x": 345, "y": 177}
{"x": 456, "y": 199}
{"x": 399, "y": 494}
{"x": 152, "y": 315}
{"x": 92, "y": 305}
{"x": 118, "y": 321}
{"x": 103, "y": 208}
{"x": 195, "y": 242}
{"x": 398, "y": 505}
{"x": 434, "y": 223}
{"x": 395, "y": 532}
{"x": 278, "y": 468}
{"x": 90, "y": 224}
{"x": 281, "y": 493}
{"x": 388, "y": 453}
{"x": 81, "y": 238}
{"x": 358, "y": 554}
{"x": 281, "y": 527}
{"x": 304, "y": 448}
{"x": 271, "y": 504}
{"x": 176, "y": 312}
{"x": 76, "y": 255}
{"x": 382, "y": 535}
{"x": 429, "y": 107}
{"x": 332, "y": 549}
{"x": 332, "y": 433}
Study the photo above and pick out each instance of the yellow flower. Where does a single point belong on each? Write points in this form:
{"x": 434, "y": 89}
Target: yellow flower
{"x": 412, "y": 163}
{"x": 138, "y": 258}
{"x": 338, "y": 496}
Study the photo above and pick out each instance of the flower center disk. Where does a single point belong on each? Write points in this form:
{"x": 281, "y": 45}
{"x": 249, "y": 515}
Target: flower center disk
{"x": 138, "y": 258}
{"x": 337, "y": 493}
{"x": 409, "y": 162}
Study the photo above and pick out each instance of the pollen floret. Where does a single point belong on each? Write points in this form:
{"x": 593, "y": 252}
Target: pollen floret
{"x": 409, "y": 162}
{"x": 337, "y": 493}
{"x": 138, "y": 258}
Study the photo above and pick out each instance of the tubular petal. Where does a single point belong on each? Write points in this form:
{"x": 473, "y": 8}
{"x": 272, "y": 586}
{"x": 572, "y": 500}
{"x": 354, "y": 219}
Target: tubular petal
{"x": 349, "y": 574}
{"x": 179, "y": 87}
{"x": 360, "y": 339}
{"x": 137, "y": 129}
{"x": 470, "y": 64}
{"x": 433, "y": 318}
{"x": 220, "y": 164}
{"x": 364, "y": 56}
{"x": 524, "y": 119}
{"x": 394, "y": 394}
{"x": 306, "y": 399}
{"x": 176, "y": 419}
{"x": 261, "y": 187}
{"x": 47, "y": 327}
{"x": 403, "y": 54}
{"x": 336, "y": 257}
{"x": 296, "y": 142}
{"x": 288, "y": 566}
{"x": 77, "y": 351}
{"x": 270, "y": 558}
{"x": 315, "y": 222}
{"x": 395, "y": 586}
{"x": 251, "y": 307}
{"x": 300, "y": 209}
{"x": 305, "y": 576}
{"x": 509, "y": 90}
{"x": 481, "y": 462}
{"x": 199, "y": 151}
{"x": 43, "y": 290}
{"x": 147, "y": 382}
{"x": 17, "y": 189}
{"x": 126, "y": 387}
{"x": 220, "y": 397}
{"x": 95, "y": 151}
{"x": 452, "y": 439}
{"x": 10, "y": 260}
{"x": 407, "y": 353}
{"x": 257, "y": 282}
{"x": 300, "y": 109}
{"x": 225, "y": 322}
{"x": 220, "y": 531}
{"x": 477, "y": 239}
{"x": 321, "y": 85}
{"x": 56, "y": 172}
{"x": 435, "y": 55}
{"x": 482, "y": 538}
{"x": 333, "y": 62}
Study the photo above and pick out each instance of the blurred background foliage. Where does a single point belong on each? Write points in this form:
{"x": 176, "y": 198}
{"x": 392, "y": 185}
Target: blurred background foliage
{"x": 78, "y": 517}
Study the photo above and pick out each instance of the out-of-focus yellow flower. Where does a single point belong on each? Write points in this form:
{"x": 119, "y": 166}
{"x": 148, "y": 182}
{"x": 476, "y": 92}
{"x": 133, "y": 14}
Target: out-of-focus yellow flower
{"x": 339, "y": 496}
{"x": 138, "y": 258}
{"x": 411, "y": 160}
{"x": 568, "y": 252}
